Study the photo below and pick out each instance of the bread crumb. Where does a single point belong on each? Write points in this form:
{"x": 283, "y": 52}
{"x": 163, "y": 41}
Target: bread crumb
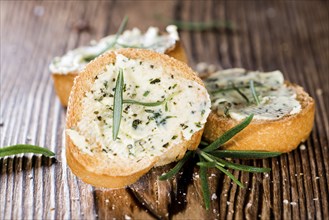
{"x": 317, "y": 178}
{"x": 302, "y": 147}
{"x": 213, "y": 196}
{"x": 127, "y": 217}
{"x": 319, "y": 92}
{"x": 315, "y": 199}
{"x": 107, "y": 201}
{"x": 201, "y": 67}
{"x": 228, "y": 203}
{"x": 266, "y": 175}
{"x": 285, "y": 202}
{"x": 293, "y": 203}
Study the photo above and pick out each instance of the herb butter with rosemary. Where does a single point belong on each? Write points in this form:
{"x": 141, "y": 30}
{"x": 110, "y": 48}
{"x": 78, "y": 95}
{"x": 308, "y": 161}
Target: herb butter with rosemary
{"x": 238, "y": 93}
{"x": 159, "y": 110}
{"x": 75, "y": 60}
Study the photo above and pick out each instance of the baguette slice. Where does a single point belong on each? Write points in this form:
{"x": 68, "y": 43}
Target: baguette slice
{"x": 63, "y": 81}
{"x": 170, "y": 129}
{"x": 276, "y": 135}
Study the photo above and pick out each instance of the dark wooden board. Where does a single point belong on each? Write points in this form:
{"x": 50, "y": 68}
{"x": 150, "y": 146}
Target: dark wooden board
{"x": 292, "y": 36}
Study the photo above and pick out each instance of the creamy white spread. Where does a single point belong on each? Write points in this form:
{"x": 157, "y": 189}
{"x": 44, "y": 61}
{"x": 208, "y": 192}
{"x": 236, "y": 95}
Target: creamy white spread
{"x": 75, "y": 60}
{"x": 231, "y": 94}
{"x": 145, "y": 132}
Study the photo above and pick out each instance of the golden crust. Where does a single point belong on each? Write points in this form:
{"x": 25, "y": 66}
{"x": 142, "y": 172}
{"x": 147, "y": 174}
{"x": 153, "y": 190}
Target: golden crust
{"x": 64, "y": 82}
{"x": 282, "y": 135}
{"x": 92, "y": 169}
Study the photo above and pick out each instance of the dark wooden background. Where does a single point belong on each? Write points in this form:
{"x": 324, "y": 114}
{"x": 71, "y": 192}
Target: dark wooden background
{"x": 292, "y": 36}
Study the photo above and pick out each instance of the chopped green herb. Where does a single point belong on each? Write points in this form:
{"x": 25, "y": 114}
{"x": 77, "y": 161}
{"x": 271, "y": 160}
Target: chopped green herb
{"x": 154, "y": 81}
{"x": 146, "y": 93}
{"x": 135, "y": 123}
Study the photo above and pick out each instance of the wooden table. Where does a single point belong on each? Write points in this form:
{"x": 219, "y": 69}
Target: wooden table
{"x": 291, "y": 36}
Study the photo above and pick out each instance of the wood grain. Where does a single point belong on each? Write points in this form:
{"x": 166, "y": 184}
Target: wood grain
{"x": 291, "y": 36}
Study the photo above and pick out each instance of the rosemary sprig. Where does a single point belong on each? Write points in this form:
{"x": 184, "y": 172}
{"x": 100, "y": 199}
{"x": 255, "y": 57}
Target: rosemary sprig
{"x": 204, "y": 184}
{"x": 244, "y": 154}
{"x": 110, "y": 45}
{"x": 253, "y": 91}
{"x": 117, "y": 104}
{"x": 25, "y": 148}
{"x": 210, "y": 156}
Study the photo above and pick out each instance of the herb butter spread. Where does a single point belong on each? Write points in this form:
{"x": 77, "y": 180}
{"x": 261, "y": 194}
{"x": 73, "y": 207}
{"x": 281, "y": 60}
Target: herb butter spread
{"x": 145, "y": 131}
{"x": 238, "y": 93}
{"x": 75, "y": 60}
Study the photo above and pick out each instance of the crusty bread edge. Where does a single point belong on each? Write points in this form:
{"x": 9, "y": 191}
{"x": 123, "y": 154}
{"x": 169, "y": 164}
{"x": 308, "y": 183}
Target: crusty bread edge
{"x": 282, "y": 135}
{"x": 80, "y": 163}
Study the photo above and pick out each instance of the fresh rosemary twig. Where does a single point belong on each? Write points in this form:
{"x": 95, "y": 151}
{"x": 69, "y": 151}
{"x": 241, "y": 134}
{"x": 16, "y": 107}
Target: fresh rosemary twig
{"x": 25, "y": 148}
{"x": 117, "y": 105}
{"x": 210, "y": 156}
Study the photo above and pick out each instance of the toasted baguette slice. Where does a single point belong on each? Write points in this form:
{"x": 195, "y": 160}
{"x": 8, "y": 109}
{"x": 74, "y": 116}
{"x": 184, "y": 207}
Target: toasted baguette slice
{"x": 149, "y": 135}
{"x": 63, "y": 78}
{"x": 274, "y": 135}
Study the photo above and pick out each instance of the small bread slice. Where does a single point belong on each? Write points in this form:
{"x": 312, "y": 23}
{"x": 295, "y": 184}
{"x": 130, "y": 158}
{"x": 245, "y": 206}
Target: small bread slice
{"x": 274, "y": 135}
{"x": 63, "y": 81}
{"x": 148, "y": 136}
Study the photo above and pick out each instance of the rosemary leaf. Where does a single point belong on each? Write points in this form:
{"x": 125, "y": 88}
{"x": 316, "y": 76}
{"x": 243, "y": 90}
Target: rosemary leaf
{"x": 148, "y": 104}
{"x": 204, "y": 143}
{"x": 178, "y": 166}
{"x": 229, "y": 174}
{"x": 244, "y": 167}
{"x": 241, "y": 93}
{"x": 206, "y": 164}
{"x": 25, "y": 148}
{"x": 123, "y": 25}
{"x": 117, "y": 104}
{"x": 244, "y": 154}
{"x": 253, "y": 91}
{"x": 228, "y": 134}
{"x": 121, "y": 29}
{"x": 204, "y": 184}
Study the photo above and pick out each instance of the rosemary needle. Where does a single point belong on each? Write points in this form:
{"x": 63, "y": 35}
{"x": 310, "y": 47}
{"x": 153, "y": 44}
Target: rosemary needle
{"x": 117, "y": 105}
{"x": 253, "y": 91}
{"x": 25, "y": 148}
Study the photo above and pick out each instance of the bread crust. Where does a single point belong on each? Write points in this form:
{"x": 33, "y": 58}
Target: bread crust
{"x": 282, "y": 135}
{"x": 92, "y": 169}
{"x": 63, "y": 83}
